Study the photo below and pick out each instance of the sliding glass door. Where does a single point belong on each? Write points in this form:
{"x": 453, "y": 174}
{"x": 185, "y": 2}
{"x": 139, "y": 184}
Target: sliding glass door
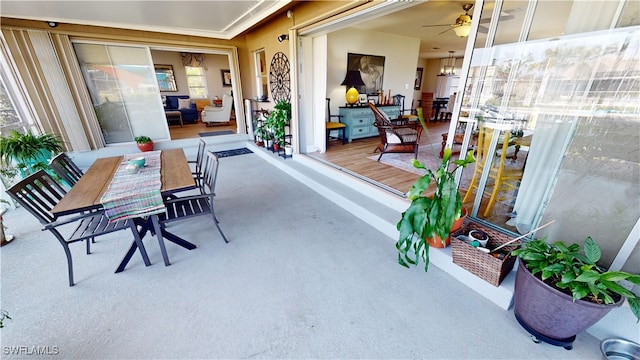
{"x": 123, "y": 89}
{"x": 553, "y": 115}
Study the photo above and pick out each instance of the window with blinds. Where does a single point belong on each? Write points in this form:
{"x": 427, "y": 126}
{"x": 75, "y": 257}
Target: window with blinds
{"x": 197, "y": 82}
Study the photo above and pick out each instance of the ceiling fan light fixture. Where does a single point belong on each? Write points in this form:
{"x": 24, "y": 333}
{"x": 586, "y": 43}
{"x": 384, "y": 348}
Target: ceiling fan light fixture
{"x": 462, "y": 30}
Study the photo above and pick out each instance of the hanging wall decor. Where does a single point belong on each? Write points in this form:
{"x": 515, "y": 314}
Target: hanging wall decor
{"x": 418, "y": 81}
{"x": 371, "y": 69}
{"x": 166, "y": 79}
{"x": 226, "y": 77}
{"x": 279, "y": 78}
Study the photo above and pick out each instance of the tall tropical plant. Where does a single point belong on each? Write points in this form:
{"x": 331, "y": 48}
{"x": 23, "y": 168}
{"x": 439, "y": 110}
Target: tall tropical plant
{"x": 430, "y": 215}
{"x": 28, "y": 152}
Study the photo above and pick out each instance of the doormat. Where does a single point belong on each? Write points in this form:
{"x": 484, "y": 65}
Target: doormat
{"x": 214, "y": 133}
{"x": 233, "y": 152}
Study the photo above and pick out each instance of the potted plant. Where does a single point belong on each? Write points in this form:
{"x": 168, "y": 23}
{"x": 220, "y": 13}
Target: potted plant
{"x": 260, "y": 130}
{"x": 429, "y": 218}
{"x": 278, "y": 119}
{"x": 27, "y": 151}
{"x": 4, "y": 238}
{"x": 559, "y": 291}
{"x": 259, "y": 135}
{"x": 268, "y": 139}
{"x": 144, "y": 143}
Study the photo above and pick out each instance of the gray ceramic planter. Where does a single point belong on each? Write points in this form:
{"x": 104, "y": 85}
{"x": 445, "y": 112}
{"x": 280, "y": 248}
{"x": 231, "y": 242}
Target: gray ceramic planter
{"x": 551, "y": 315}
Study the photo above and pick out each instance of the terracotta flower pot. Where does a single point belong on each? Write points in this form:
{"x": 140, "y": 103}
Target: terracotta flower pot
{"x": 146, "y": 146}
{"x": 436, "y": 242}
{"x": 457, "y": 224}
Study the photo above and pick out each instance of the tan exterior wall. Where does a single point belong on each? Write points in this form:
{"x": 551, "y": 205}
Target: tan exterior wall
{"x": 263, "y": 36}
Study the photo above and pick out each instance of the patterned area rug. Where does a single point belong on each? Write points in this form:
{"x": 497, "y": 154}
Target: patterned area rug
{"x": 429, "y": 155}
{"x": 215, "y": 133}
{"x": 234, "y": 152}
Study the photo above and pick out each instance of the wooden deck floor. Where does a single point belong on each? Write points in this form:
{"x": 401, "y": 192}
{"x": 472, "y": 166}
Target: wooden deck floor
{"x": 189, "y": 131}
{"x": 353, "y": 156}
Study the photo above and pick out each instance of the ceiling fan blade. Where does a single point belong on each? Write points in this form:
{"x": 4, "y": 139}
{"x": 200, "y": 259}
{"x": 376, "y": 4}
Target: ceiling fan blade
{"x": 451, "y": 28}
{"x": 501, "y": 18}
{"x": 483, "y": 29}
{"x": 436, "y": 25}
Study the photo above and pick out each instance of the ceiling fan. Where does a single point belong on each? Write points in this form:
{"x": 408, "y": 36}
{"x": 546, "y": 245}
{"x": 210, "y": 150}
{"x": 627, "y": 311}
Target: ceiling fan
{"x": 462, "y": 24}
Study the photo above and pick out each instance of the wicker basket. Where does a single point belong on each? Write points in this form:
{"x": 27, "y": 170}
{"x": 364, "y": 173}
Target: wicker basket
{"x": 487, "y": 267}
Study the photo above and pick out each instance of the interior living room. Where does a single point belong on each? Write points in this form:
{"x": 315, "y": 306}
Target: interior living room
{"x": 548, "y": 102}
{"x": 205, "y": 92}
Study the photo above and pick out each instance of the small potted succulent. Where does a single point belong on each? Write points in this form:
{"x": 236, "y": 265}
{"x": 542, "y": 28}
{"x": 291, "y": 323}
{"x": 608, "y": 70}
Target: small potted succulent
{"x": 144, "y": 143}
{"x": 259, "y": 136}
{"x": 560, "y": 291}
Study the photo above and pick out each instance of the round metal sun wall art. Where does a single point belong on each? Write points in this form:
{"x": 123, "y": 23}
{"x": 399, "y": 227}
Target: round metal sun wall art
{"x": 279, "y": 78}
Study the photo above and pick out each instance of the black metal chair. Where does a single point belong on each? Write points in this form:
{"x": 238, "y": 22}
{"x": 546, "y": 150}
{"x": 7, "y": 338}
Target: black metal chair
{"x": 39, "y": 193}
{"x": 180, "y": 208}
{"x": 64, "y": 167}
{"x": 197, "y": 173}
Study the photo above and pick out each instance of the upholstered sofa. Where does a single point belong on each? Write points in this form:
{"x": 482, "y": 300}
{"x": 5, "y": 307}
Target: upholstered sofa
{"x": 189, "y": 114}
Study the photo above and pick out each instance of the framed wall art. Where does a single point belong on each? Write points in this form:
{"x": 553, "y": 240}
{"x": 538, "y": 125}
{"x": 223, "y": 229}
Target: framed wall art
{"x": 166, "y": 79}
{"x": 226, "y": 77}
{"x": 371, "y": 69}
{"x": 418, "y": 81}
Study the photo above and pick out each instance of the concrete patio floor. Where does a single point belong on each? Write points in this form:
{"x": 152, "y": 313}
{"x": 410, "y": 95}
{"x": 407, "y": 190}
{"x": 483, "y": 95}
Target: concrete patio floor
{"x": 300, "y": 279}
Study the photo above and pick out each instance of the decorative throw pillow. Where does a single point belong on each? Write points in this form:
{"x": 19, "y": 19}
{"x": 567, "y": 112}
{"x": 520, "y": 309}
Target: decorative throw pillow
{"x": 184, "y": 103}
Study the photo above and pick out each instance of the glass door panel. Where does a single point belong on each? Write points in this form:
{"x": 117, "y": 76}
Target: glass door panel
{"x": 122, "y": 84}
{"x": 563, "y": 111}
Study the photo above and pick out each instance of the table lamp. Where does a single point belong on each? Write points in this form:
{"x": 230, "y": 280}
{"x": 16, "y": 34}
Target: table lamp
{"x": 352, "y": 79}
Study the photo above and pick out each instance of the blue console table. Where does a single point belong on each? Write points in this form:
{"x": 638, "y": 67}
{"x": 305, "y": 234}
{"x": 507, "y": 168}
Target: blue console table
{"x": 359, "y": 120}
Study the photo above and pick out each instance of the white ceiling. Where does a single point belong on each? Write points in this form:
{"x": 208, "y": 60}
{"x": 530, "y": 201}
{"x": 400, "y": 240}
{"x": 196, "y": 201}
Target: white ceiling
{"x": 226, "y": 19}
{"x": 217, "y": 19}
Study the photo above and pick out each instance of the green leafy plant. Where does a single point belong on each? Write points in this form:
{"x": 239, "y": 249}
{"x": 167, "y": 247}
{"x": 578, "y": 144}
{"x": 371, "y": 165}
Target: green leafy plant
{"x": 569, "y": 270}
{"x": 259, "y": 133}
{"x": 278, "y": 119}
{"x": 29, "y": 152}
{"x": 142, "y": 139}
{"x": 430, "y": 215}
